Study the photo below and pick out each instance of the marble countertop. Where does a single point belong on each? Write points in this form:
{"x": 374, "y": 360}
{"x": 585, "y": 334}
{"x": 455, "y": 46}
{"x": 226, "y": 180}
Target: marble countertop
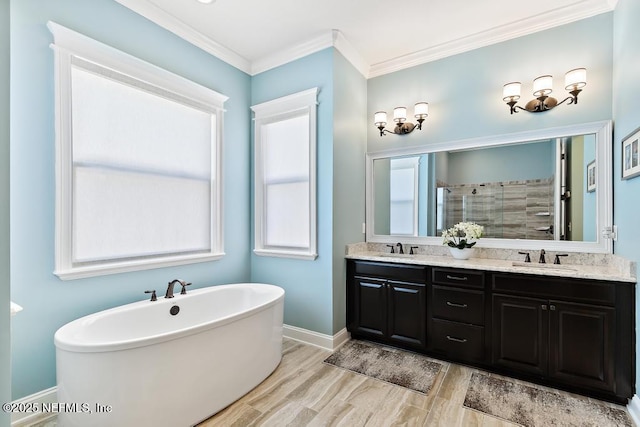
{"x": 578, "y": 271}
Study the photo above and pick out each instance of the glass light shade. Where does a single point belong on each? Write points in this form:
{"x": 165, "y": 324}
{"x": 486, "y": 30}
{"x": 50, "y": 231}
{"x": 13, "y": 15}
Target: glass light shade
{"x": 380, "y": 118}
{"x": 421, "y": 110}
{"x": 542, "y": 85}
{"x": 575, "y": 79}
{"x": 400, "y": 114}
{"x": 511, "y": 91}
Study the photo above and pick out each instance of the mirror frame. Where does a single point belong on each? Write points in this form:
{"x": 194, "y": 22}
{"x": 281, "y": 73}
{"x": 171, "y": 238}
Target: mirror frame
{"x": 604, "y": 187}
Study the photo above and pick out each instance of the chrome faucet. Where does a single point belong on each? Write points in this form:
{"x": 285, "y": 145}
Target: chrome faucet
{"x": 542, "y": 260}
{"x": 184, "y": 284}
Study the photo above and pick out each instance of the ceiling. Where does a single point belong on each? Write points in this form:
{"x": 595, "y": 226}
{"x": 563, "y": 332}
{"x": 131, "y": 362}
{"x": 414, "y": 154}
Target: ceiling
{"x": 377, "y": 36}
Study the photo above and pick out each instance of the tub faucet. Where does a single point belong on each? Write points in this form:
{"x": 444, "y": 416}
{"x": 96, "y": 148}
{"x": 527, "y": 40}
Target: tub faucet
{"x": 153, "y": 295}
{"x": 184, "y": 284}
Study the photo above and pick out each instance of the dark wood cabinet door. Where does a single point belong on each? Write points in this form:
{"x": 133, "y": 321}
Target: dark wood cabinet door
{"x": 407, "y": 308}
{"x": 370, "y": 307}
{"x": 582, "y": 344}
{"x": 520, "y": 333}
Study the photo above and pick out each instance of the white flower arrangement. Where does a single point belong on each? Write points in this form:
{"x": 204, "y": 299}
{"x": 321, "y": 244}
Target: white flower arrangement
{"x": 462, "y": 235}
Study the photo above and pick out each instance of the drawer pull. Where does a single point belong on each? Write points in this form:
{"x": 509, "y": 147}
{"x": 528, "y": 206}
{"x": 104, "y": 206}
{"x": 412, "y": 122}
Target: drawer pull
{"x": 450, "y": 338}
{"x": 455, "y": 304}
{"x": 457, "y": 277}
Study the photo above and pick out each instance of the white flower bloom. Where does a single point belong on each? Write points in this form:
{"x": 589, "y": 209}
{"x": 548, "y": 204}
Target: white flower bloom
{"x": 462, "y": 235}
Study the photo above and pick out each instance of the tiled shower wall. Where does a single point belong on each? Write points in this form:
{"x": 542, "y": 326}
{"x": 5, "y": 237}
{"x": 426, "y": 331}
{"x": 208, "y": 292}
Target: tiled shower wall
{"x": 511, "y": 209}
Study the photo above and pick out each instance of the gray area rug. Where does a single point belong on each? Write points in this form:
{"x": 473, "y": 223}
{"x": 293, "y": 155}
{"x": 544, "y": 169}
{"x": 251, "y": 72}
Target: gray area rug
{"x": 403, "y": 368}
{"x": 530, "y": 406}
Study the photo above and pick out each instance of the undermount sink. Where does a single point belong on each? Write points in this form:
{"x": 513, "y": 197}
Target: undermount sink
{"x": 543, "y": 266}
{"x": 397, "y": 255}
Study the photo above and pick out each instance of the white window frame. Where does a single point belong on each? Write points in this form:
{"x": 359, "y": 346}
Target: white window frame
{"x": 298, "y": 104}
{"x": 70, "y": 46}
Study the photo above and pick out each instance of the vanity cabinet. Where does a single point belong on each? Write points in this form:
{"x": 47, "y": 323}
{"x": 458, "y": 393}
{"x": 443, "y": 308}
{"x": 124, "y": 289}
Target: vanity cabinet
{"x": 569, "y": 332}
{"x": 456, "y": 324}
{"x": 387, "y": 303}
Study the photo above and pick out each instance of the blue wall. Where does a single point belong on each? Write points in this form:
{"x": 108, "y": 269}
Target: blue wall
{"x": 626, "y": 114}
{"x": 5, "y": 340}
{"x": 308, "y": 284}
{"x": 349, "y": 146}
{"x": 49, "y": 302}
{"x": 465, "y": 91}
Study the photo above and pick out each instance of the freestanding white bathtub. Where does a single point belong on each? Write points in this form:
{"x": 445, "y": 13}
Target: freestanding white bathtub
{"x": 139, "y": 365}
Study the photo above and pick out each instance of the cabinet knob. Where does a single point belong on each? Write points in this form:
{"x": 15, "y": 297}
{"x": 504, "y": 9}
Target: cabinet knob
{"x": 544, "y": 306}
{"x": 552, "y": 307}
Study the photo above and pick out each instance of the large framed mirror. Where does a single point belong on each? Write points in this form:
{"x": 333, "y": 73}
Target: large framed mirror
{"x": 549, "y": 188}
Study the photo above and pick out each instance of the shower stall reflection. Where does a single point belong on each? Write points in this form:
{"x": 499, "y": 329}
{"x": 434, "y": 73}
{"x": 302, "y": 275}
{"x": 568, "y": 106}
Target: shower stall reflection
{"x": 512, "y": 209}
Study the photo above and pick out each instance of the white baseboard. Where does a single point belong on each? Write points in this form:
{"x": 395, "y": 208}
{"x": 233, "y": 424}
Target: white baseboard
{"x": 326, "y": 342}
{"x": 23, "y": 419}
{"x": 634, "y": 409}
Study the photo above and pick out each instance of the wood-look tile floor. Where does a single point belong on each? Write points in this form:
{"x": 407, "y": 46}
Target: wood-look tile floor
{"x": 304, "y": 391}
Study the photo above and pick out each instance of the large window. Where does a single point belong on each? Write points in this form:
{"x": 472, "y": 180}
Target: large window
{"x": 138, "y": 163}
{"x": 285, "y": 175}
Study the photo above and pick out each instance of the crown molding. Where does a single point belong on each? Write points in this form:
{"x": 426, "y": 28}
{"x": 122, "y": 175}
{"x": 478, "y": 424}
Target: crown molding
{"x": 333, "y": 38}
{"x": 179, "y": 28}
{"x": 292, "y": 53}
{"x": 580, "y": 10}
{"x": 343, "y": 46}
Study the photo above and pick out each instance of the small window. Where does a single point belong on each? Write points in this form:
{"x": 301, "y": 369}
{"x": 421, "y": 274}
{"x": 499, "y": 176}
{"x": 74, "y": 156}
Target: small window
{"x": 138, "y": 163}
{"x": 285, "y": 176}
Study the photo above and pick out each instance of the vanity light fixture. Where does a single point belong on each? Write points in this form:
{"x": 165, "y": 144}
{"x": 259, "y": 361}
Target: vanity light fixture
{"x": 574, "y": 81}
{"x": 420, "y": 112}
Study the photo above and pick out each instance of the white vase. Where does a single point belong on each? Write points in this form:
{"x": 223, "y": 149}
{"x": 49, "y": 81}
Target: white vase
{"x": 465, "y": 253}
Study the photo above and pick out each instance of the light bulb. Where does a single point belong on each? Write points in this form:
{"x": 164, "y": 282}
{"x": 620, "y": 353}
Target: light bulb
{"x": 575, "y": 79}
{"x": 511, "y": 91}
{"x": 380, "y": 118}
{"x": 421, "y": 110}
{"x": 543, "y": 86}
{"x": 400, "y": 114}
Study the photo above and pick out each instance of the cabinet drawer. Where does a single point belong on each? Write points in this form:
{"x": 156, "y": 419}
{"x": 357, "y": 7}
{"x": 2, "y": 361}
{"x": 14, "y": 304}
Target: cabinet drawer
{"x": 587, "y": 291}
{"x": 460, "y": 305}
{"x": 449, "y": 276}
{"x": 457, "y": 340}
{"x": 404, "y": 272}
